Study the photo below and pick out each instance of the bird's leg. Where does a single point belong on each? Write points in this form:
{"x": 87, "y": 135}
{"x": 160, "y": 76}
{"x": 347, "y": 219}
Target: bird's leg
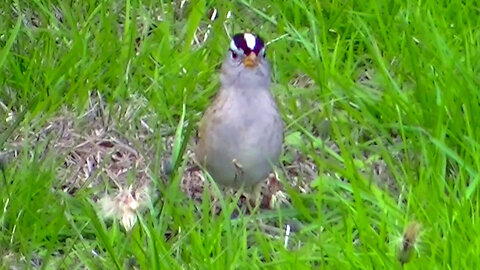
{"x": 254, "y": 197}
{"x": 257, "y": 193}
{"x": 238, "y": 168}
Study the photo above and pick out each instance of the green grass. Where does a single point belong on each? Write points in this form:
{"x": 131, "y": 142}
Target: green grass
{"x": 415, "y": 111}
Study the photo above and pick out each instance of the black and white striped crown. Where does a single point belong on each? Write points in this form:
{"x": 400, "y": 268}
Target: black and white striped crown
{"x": 246, "y": 43}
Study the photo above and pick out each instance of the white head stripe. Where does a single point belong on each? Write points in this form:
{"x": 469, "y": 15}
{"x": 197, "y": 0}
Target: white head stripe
{"x": 233, "y": 46}
{"x": 250, "y": 39}
{"x": 262, "y": 51}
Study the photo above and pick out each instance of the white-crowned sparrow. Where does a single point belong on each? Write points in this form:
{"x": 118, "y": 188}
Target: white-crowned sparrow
{"x": 241, "y": 134}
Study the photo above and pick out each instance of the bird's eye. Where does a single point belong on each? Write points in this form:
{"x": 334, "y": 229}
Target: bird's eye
{"x": 234, "y": 54}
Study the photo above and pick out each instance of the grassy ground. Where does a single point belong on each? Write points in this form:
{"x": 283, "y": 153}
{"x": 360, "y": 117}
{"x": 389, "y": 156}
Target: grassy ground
{"x": 380, "y": 99}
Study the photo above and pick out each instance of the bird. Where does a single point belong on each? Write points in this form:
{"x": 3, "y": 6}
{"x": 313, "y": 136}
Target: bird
{"x": 240, "y": 135}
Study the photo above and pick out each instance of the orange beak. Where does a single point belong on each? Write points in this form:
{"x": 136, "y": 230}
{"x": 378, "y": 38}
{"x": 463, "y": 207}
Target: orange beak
{"x": 251, "y": 60}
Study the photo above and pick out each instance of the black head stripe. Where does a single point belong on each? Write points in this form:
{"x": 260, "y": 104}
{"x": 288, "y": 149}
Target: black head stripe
{"x": 258, "y": 45}
{"x": 247, "y": 46}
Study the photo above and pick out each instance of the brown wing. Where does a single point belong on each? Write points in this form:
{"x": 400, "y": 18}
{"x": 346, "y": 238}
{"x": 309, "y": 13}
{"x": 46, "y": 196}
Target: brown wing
{"x": 210, "y": 117}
